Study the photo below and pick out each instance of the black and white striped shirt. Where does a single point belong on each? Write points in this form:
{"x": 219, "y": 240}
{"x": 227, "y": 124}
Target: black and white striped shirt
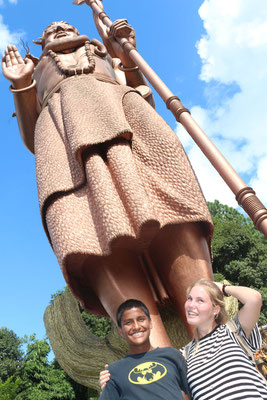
{"x": 221, "y": 370}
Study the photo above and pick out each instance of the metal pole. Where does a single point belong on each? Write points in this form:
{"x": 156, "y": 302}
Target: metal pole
{"x": 245, "y": 195}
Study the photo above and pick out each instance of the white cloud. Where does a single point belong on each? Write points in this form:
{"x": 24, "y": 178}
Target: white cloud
{"x": 6, "y": 36}
{"x": 233, "y": 50}
{"x": 10, "y": 1}
{"x": 213, "y": 186}
{"x": 258, "y": 180}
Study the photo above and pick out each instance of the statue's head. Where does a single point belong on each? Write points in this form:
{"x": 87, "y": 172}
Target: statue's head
{"x": 56, "y": 30}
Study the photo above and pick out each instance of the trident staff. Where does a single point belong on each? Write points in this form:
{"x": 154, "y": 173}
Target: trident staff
{"x": 245, "y": 195}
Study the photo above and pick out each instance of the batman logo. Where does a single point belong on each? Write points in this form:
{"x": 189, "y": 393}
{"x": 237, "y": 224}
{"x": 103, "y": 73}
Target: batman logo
{"x": 146, "y": 373}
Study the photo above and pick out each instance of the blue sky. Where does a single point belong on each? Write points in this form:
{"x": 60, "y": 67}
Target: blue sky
{"x": 212, "y": 54}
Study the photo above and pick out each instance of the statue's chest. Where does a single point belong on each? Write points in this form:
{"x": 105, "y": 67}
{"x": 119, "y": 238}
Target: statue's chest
{"x": 55, "y": 67}
{"x": 76, "y": 60}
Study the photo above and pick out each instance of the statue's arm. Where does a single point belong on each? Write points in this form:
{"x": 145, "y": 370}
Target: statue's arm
{"x": 20, "y": 72}
{"x": 121, "y": 29}
{"x": 133, "y": 75}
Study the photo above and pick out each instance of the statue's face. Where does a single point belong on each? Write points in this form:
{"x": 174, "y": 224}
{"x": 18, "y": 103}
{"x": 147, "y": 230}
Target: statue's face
{"x": 59, "y": 30}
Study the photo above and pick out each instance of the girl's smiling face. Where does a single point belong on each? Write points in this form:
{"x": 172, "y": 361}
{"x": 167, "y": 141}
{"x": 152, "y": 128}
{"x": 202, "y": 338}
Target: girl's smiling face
{"x": 200, "y": 312}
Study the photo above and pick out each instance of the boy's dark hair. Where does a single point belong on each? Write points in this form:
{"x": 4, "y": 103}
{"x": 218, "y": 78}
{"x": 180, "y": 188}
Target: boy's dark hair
{"x": 127, "y": 305}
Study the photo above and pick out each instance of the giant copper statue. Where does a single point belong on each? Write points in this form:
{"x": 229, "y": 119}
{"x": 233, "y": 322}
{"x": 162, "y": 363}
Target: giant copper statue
{"x": 119, "y": 201}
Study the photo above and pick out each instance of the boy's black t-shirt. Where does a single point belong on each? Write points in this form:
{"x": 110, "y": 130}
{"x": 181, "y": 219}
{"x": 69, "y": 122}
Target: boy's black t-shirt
{"x": 157, "y": 374}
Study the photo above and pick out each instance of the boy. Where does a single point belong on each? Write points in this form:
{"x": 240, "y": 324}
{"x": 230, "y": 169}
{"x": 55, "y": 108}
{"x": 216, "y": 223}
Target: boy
{"x": 145, "y": 373}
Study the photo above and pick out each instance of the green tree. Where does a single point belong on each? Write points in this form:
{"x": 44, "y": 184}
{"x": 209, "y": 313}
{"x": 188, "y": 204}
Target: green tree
{"x": 10, "y": 353}
{"x": 239, "y": 251}
{"x": 10, "y": 388}
{"x": 42, "y": 380}
{"x": 99, "y": 326}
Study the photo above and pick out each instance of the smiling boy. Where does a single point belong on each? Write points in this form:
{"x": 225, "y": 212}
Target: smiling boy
{"x": 146, "y": 372}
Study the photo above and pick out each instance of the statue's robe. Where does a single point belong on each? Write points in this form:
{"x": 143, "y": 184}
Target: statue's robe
{"x": 111, "y": 173}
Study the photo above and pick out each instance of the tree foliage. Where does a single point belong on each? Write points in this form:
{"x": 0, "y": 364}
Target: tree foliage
{"x": 29, "y": 375}
{"x": 10, "y": 388}
{"x": 239, "y": 251}
{"x": 42, "y": 381}
{"x": 99, "y": 326}
{"x": 10, "y": 353}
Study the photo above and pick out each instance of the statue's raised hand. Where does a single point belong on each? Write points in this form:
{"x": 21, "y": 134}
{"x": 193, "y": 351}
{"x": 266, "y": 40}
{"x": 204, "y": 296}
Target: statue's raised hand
{"x": 15, "y": 69}
{"x": 118, "y": 30}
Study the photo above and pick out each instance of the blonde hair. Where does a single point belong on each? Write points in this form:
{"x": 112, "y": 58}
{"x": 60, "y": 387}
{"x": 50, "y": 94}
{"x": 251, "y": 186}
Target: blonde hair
{"x": 217, "y": 299}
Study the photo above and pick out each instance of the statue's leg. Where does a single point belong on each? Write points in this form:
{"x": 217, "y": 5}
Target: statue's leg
{"x": 181, "y": 256}
{"x": 121, "y": 277}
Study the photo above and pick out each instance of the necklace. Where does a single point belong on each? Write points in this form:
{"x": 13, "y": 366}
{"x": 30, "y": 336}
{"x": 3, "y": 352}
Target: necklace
{"x": 74, "y": 70}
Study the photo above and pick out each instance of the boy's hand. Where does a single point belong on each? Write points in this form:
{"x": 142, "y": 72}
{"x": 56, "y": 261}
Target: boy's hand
{"x": 104, "y": 377}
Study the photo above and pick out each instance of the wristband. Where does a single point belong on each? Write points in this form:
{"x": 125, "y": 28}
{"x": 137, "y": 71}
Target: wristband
{"x": 224, "y": 292}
